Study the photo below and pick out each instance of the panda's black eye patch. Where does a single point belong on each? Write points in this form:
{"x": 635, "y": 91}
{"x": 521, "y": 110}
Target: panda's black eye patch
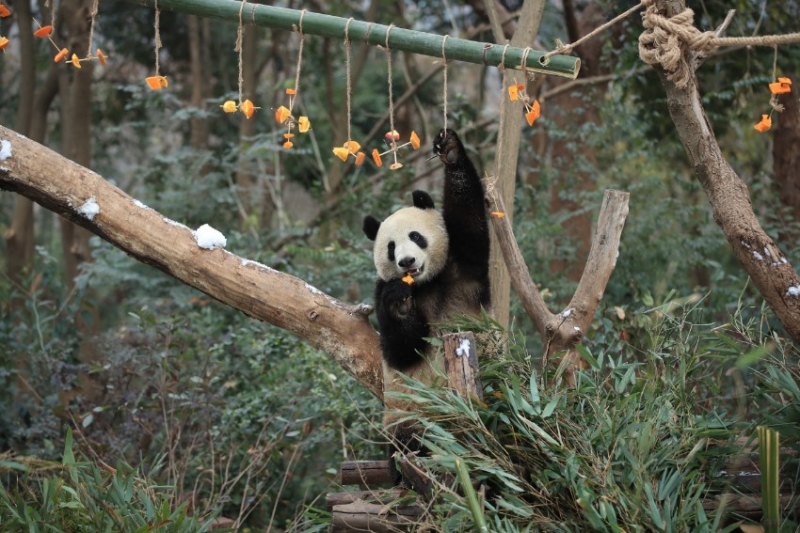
{"x": 418, "y": 239}
{"x": 391, "y": 251}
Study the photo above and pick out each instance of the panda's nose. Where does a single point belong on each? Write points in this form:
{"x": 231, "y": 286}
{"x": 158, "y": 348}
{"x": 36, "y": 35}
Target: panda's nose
{"x": 406, "y": 262}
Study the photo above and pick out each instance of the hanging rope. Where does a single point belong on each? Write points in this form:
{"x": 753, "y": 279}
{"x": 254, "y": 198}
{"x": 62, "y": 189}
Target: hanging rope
{"x": 299, "y": 59}
{"x": 93, "y": 14}
{"x": 389, "y": 69}
{"x": 347, "y": 67}
{"x": 158, "y": 34}
{"x": 444, "y": 84}
{"x": 567, "y": 48}
{"x": 238, "y": 48}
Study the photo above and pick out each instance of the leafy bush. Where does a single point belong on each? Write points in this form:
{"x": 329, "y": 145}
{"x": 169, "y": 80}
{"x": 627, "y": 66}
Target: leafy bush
{"x": 76, "y": 496}
{"x": 637, "y": 445}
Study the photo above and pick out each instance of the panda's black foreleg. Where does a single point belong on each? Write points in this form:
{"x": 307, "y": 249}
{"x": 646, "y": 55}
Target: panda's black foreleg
{"x": 403, "y": 327}
{"x": 464, "y": 209}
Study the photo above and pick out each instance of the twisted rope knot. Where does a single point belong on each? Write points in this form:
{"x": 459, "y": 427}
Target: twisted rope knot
{"x": 662, "y": 42}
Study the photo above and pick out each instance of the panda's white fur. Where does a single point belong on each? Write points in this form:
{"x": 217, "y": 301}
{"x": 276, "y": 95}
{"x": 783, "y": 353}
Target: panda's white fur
{"x": 425, "y": 262}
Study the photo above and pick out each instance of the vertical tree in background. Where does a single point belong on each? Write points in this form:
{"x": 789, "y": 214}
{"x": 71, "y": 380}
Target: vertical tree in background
{"x": 76, "y": 107}
{"x": 567, "y": 109}
{"x": 76, "y": 127}
{"x": 20, "y": 237}
{"x": 200, "y": 78}
{"x": 786, "y": 161}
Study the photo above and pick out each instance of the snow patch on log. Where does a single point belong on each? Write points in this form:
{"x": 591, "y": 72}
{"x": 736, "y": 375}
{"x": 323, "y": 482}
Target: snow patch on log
{"x": 314, "y": 290}
{"x": 140, "y": 205}
{"x": 5, "y": 149}
{"x": 208, "y": 238}
{"x": 176, "y": 224}
{"x": 463, "y": 348}
{"x": 794, "y": 291}
{"x": 260, "y": 266}
{"x": 90, "y": 209}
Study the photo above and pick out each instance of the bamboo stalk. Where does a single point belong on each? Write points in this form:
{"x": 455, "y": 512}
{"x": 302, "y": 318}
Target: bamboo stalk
{"x": 769, "y": 452}
{"x": 416, "y": 42}
{"x": 471, "y": 496}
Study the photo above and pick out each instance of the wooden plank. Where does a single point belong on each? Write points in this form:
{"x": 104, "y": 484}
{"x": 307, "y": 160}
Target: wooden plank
{"x": 748, "y": 506}
{"x": 366, "y": 473}
{"x": 363, "y": 516}
{"x": 381, "y": 496}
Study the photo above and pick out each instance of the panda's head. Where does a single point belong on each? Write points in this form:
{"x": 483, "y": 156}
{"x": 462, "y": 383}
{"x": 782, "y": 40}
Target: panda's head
{"x": 411, "y": 241}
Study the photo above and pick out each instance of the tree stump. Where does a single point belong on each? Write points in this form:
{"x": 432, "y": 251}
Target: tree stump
{"x": 461, "y": 364}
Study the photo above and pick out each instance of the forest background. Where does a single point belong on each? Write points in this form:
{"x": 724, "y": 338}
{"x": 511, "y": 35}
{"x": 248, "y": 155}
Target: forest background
{"x": 243, "y": 418}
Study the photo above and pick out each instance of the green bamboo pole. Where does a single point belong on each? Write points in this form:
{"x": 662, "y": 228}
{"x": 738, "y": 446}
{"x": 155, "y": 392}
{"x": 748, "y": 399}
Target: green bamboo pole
{"x": 417, "y": 42}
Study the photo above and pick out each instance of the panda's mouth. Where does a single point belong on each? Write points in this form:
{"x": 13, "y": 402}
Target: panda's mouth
{"x": 413, "y": 272}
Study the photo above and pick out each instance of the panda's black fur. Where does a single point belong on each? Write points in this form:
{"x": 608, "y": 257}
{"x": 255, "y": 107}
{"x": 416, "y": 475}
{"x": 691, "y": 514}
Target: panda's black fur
{"x": 448, "y": 284}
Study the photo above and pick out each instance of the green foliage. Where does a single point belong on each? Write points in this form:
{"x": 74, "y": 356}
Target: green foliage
{"x": 82, "y": 496}
{"x": 636, "y": 445}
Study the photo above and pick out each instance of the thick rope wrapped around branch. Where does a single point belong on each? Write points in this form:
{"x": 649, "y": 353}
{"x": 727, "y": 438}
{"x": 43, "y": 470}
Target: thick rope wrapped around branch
{"x": 663, "y": 40}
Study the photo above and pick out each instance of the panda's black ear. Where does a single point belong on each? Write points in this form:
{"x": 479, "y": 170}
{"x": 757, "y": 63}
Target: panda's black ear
{"x": 370, "y": 227}
{"x": 422, "y": 200}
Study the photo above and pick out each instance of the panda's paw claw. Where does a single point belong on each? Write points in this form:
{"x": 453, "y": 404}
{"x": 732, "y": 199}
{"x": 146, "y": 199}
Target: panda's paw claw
{"x": 448, "y": 146}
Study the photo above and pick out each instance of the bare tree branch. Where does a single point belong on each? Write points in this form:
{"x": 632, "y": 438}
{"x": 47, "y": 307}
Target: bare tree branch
{"x": 764, "y": 262}
{"x": 560, "y": 332}
{"x": 62, "y": 186}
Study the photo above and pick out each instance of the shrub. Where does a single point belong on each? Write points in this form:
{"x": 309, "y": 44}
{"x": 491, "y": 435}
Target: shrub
{"x": 78, "y": 496}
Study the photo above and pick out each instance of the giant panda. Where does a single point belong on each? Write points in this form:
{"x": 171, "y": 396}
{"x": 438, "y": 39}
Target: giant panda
{"x": 447, "y": 256}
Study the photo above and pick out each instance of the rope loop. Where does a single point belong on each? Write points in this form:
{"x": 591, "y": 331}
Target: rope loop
{"x": 299, "y": 28}
{"x": 664, "y": 40}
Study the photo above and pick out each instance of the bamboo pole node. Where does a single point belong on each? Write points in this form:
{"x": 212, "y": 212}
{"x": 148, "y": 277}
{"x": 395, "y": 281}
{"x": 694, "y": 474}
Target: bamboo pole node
{"x": 486, "y": 48}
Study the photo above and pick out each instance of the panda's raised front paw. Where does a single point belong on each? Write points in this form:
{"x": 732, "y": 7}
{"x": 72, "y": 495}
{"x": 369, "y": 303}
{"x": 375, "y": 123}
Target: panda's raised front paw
{"x": 397, "y": 297}
{"x": 448, "y": 147}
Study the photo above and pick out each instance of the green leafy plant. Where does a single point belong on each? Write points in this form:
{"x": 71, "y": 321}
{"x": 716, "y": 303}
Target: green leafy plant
{"x": 635, "y": 446}
{"x": 81, "y": 496}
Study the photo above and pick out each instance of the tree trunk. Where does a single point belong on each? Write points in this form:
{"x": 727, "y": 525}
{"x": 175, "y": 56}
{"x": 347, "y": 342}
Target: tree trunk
{"x": 20, "y": 236}
{"x": 767, "y": 266}
{"x": 786, "y": 159}
{"x": 77, "y": 127}
{"x": 198, "y": 126}
{"x": 566, "y": 110}
{"x": 507, "y": 155}
{"x": 76, "y": 124}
